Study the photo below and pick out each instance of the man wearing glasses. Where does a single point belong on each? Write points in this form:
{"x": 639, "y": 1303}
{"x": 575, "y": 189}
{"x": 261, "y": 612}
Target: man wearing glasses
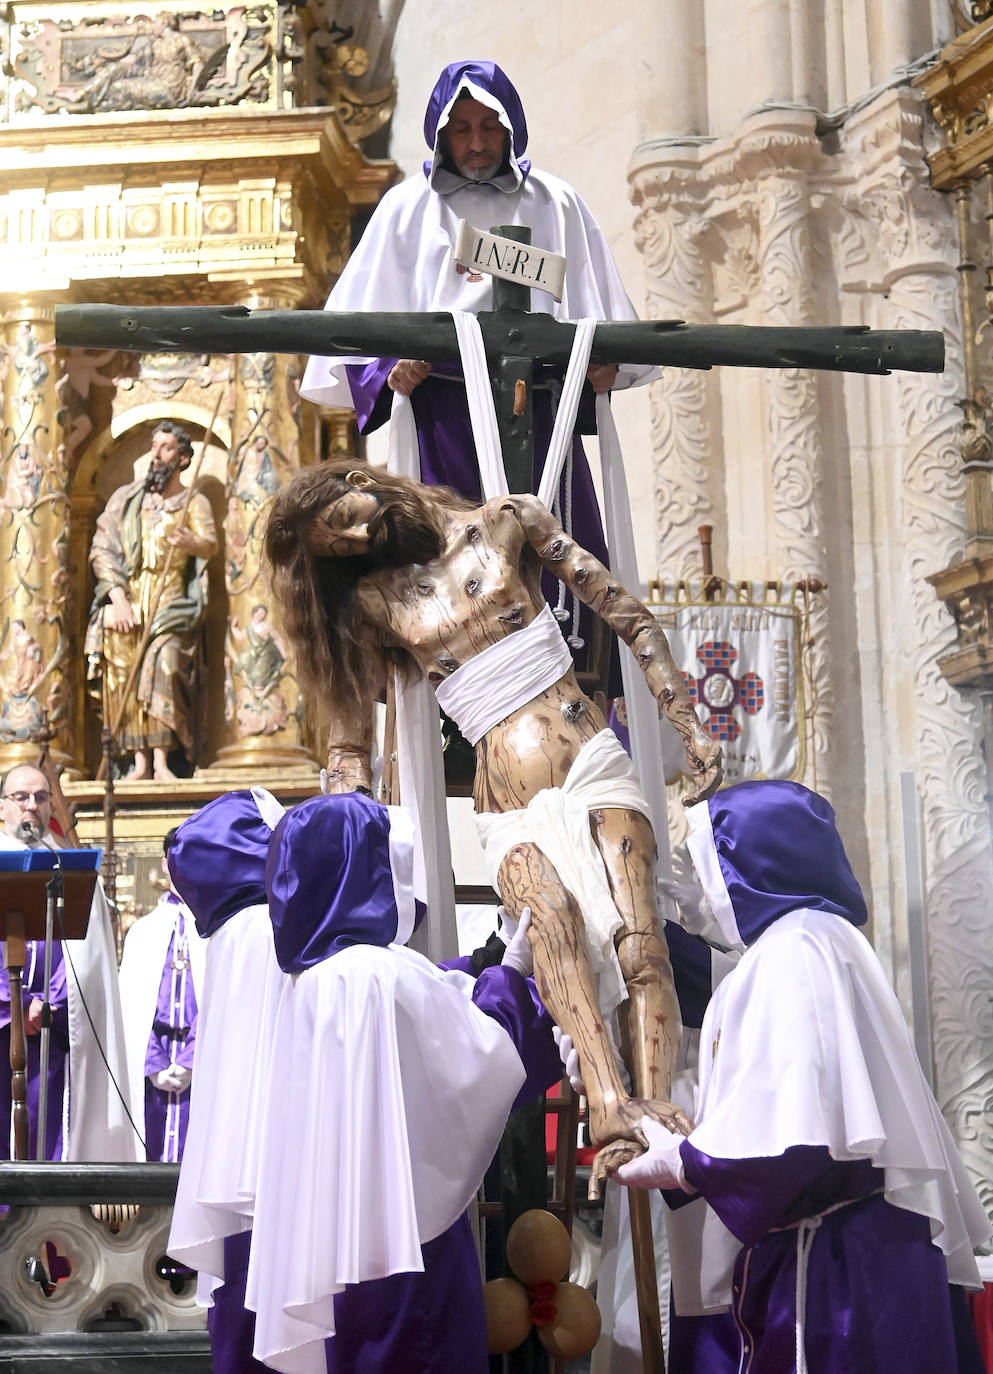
{"x": 85, "y": 1118}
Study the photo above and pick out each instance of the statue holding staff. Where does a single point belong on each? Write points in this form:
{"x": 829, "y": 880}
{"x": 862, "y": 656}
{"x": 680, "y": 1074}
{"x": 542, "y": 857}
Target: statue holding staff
{"x": 130, "y": 555}
{"x": 371, "y": 569}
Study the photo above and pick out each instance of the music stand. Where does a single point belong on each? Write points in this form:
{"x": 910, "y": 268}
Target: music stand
{"x": 22, "y": 917}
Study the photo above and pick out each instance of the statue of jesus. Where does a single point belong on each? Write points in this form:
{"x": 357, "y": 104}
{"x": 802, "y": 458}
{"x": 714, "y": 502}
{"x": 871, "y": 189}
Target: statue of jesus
{"x": 373, "y": 568}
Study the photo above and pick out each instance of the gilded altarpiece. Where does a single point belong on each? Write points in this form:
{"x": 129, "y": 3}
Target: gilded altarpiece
{"x": 182, "y": 157}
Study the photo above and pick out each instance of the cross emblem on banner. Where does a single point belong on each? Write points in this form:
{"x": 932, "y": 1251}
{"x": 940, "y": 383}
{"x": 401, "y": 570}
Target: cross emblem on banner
{"x": 717, "y": 689}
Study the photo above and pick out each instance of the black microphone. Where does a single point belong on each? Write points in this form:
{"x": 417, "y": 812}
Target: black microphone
{"x": 28, "y": 831}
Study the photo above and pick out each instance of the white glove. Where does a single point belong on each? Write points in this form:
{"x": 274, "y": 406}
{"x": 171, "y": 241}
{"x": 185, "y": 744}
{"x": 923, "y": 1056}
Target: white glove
{"x": 325, "y": 782}
{"x": 506, "y": 925}
{"x": 174, "y": 1079}
{"x": 662, "y": 1165}
{"x": 570, "y": 1059}
{"x": 518, "y": 952}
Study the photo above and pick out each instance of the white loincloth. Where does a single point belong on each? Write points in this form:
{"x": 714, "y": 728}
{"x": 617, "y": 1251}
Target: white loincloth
{"x": 505, "y": 676}
{"x": 557, "y": 820}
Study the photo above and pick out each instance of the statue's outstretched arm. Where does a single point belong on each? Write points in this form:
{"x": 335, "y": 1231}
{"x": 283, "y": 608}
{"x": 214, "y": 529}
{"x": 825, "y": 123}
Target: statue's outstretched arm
{"x": 631, "y": 621}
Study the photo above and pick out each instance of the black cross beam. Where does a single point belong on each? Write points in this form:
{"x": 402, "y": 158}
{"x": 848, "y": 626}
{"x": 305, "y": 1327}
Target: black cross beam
{"x": 514, "y": 339}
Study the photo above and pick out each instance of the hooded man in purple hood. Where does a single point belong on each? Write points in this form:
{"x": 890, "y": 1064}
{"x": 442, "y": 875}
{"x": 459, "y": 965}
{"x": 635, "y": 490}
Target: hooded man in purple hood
{"x": 818, "y": 1143}
{"x": 476, "y": 133}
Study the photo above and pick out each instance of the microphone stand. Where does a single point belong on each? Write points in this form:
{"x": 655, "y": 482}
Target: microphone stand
{"x": 54, "y": 903}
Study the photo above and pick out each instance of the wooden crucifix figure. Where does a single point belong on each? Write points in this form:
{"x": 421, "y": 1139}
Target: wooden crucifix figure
{"x": 374, "y": 568}
{"x": 464, "y": 581}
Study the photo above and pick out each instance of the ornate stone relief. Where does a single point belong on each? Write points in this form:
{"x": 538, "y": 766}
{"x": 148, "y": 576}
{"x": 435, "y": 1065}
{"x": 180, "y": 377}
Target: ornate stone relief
{"x": 273, "y": 55}
{"x": 767, "y": 227}
{"x": 103, "y": 63}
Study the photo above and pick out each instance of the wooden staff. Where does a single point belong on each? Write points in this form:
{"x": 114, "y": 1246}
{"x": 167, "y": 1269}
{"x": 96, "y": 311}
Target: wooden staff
{"x": 646, "y": 1282}
{"x": 109, "y": 852}
{"x": 43, "y": 735}
{"x": 146, "y": 633}
{"x": 711, "y": 584}
{"x": 14, "y": 956}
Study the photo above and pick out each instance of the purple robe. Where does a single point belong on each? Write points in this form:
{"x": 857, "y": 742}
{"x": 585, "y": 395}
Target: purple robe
{"x": 877, "y": 1288}
{"x": 32, "y": 986}
{"x": 171, "y": 1041}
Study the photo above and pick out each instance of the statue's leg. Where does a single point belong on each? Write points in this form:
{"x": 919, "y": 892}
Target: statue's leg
{"x": 627, "y": 846}
{"x": 142, "y": 766}
{"x": 160, "y": 764}
{"x": 565, "y": 984}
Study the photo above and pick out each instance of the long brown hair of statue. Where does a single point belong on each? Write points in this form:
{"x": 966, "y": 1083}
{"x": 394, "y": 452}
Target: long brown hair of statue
{"x": 319, "y": 595}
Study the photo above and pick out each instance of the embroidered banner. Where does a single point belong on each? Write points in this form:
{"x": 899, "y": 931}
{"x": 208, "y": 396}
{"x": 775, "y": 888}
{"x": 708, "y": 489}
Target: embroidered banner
{"x": 741, "y": 660}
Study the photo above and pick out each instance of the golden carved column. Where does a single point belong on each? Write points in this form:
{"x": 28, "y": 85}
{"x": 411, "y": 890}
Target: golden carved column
{"x": 272, "y": 437}
{"x": 34, "y": 543}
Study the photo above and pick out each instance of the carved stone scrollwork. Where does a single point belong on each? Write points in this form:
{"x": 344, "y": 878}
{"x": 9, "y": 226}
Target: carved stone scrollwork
{"x": 724, "y": 234}
{"x": 913, "y": 262}
{"x": 795, "y": 427}
{"x": 670, "y": 230}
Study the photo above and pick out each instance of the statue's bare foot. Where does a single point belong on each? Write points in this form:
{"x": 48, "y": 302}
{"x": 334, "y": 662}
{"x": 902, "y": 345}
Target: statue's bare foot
{"x": 622, "y": 1120}
{"x": 139, "y": 768}
{"x": 161, "y": 771}
{"x": 607, "y": 1161}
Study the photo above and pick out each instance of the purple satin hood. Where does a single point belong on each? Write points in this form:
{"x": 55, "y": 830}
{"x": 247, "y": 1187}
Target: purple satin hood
{"x": 488, "y": 77}
{"x": 778, "y": 850}
{"x": 217, "y": 860}
{"x": 339, "y": 873}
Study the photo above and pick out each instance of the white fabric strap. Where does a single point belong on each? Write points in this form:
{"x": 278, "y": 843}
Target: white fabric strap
{"x": 805, "y": 1234}
{"x": 506, "y": 675}
{"x": 482, "y": 411}
{"x": 402, "y": 869}
{"x": 642, "y": 708}
{"x": 565, "y": 417}
{"x": 422, "y": 773}
{"x": 271, "y": 811}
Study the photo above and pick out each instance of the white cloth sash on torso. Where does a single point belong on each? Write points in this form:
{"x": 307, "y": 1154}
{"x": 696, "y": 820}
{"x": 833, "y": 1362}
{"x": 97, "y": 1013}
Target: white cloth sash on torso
{"x": 505, "y": 676}
{"x": 557, "y": 820}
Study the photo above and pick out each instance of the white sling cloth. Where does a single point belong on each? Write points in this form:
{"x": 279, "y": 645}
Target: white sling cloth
{"x": 557, "y": 820}
{"x": 505, "y": 676}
